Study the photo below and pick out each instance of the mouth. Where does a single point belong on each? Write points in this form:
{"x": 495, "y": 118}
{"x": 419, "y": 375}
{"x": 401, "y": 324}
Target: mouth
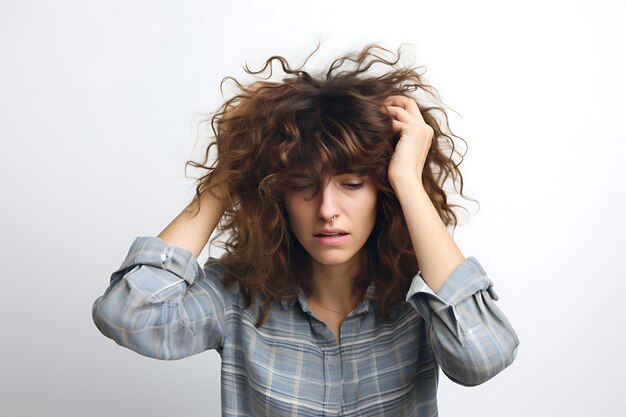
{"x": 330, "y": 234}
{"x": 330, "y": 239}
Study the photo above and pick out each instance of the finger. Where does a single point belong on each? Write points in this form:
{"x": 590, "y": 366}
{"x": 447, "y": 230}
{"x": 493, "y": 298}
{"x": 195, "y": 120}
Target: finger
{"x": 406, "y": 103}
{"x": 404, "y": 116}
{"x": 398, "y": 127}
{"x": 401, "y": 114}
{"x": 402, "y": 101}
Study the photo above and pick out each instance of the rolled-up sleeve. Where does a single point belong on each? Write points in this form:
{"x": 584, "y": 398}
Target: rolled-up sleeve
{"x": 470, "y": 336}
{"x": 160, "y": 303}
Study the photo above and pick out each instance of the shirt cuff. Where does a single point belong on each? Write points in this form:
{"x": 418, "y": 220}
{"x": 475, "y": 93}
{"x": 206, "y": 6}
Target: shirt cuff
{"x": 466, "y": 279}
{"x": 154, "y": 251}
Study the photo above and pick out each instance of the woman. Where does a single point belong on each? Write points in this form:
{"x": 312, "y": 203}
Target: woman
{"x": 341, "y": 291}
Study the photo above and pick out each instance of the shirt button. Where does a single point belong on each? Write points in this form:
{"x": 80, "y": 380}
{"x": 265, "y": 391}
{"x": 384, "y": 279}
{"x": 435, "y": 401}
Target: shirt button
{"x": 163, "y": 259}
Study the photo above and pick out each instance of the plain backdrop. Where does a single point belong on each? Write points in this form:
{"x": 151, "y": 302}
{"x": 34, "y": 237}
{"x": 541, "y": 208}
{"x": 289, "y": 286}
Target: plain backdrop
{"x": 98, "y": 102}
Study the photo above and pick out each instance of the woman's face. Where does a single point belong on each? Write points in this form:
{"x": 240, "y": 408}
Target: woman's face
{"x": 349, "y": 198}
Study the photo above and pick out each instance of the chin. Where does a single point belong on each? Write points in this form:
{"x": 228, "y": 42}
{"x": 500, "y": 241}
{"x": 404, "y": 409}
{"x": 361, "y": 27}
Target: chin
{"x": 330, "y": 259}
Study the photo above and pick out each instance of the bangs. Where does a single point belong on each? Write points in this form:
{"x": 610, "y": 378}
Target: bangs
{"x": 329, "y": 147}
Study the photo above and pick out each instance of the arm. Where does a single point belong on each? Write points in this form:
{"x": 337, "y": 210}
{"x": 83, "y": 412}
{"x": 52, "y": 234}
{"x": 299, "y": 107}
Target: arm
{"x": 160, "y": 303}
{"x": 193, "y": 233}
{"x": 471, "y": 338}
{"x": 436, "y": 252}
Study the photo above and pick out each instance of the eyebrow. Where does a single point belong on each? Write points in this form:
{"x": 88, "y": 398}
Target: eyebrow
{"x": 300, "y": 176}
{"x": 343, "y": 171}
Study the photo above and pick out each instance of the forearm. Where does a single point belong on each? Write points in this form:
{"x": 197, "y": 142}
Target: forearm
{"x": 156, "y": 304}
{"x": 193, "y": 233}
{"x": 471, "y": 337}
{"x": 436, "y": 252}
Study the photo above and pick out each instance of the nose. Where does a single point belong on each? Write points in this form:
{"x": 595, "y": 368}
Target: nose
{"x": 328, "y": 204}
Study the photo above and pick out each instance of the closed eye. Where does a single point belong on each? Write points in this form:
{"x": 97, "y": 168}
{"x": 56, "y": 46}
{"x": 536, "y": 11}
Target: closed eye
{"x": 302, "y": 187}
{"x": 354, "y": 186}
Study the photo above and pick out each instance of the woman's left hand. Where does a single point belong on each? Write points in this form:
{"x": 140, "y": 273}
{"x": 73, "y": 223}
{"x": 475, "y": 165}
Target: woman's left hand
{"x": 409, "y": 156}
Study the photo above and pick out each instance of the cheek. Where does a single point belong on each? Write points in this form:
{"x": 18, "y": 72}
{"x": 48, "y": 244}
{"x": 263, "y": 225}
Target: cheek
{"x": 289, "y": 207}
{"x": 369, "y": 206}
{"x": 295, "y": 214}
{"x": 371, "y": 213}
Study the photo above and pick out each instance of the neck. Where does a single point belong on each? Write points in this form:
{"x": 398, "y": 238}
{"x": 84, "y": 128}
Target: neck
{"x": 333, "y": 286}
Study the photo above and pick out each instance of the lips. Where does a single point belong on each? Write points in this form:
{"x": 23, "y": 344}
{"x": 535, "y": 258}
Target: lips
{"x": 330, "y": 232}
{"x": 330, "y": 237}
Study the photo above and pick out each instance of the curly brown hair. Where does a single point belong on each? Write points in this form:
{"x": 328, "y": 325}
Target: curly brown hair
{"x": 323, "y": 124}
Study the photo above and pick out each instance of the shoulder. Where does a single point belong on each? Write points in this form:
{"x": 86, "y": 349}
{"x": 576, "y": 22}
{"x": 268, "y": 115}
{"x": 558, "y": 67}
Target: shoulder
{"x": 216, "y": 273}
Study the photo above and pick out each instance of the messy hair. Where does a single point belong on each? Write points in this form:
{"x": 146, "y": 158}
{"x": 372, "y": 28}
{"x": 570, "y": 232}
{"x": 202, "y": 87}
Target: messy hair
{"x": 321, "y": 124}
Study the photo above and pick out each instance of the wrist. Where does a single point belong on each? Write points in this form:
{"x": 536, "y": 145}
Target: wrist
{"x": 409, "y": 182}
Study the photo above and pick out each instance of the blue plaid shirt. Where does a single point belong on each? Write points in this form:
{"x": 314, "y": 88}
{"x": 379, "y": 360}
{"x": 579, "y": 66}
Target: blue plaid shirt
{"x": 160, "y": 303}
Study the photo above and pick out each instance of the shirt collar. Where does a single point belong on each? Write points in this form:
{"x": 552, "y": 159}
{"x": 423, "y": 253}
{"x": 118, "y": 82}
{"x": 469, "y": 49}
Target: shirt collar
{"x": 365, "y": 306}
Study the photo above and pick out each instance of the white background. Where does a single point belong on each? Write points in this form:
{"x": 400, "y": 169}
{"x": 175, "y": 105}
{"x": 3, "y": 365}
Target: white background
{"x": 97, "y": 102}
